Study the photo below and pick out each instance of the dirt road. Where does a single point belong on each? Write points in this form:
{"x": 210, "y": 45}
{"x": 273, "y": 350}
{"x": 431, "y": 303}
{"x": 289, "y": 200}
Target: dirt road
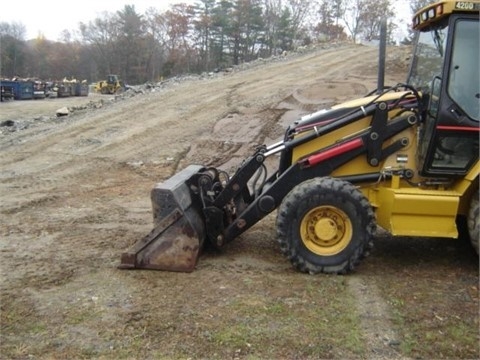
{"x": 75, "y": 195}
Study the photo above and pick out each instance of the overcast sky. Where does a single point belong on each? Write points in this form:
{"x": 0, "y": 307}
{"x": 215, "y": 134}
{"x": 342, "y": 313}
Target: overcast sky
{"x": 51, "y": 17}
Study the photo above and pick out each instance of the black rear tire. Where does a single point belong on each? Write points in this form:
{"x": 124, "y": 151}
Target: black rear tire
{"x": 325, "y": 225}
{"x": 473, "y": 221}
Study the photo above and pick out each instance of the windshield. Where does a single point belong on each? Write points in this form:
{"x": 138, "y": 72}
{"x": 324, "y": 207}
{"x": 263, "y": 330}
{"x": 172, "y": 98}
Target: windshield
{"x": 428, "y": 58}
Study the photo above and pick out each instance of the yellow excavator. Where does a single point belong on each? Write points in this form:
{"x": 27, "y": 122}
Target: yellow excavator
{"x": 404, "y": 158}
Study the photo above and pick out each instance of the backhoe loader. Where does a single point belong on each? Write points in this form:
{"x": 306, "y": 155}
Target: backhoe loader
{"x": 113, "y": 85}
{"x": 404, "y": 158}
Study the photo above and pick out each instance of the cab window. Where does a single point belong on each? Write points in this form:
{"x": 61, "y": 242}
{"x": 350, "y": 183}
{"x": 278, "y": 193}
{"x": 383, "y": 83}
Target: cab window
{"x": 464, "y": 79}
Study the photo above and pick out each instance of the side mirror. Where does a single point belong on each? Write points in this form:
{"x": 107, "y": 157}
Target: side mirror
{"x": 432, "y": 109}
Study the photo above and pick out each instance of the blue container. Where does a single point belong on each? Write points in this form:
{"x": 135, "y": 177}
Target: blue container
{"x": 7, "y": 89}
{"x": 81, "y": 89}
{"x": 13, "y": 85}
{"x": 23, "y": 90}
{"x": 64, "y": 89}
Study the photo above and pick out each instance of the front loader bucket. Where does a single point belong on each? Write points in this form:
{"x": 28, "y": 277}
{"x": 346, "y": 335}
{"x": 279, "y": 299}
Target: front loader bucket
{"x": 179, "y": 233}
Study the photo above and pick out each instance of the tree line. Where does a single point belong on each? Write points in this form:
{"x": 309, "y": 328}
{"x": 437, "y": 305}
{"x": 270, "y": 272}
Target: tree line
{"x": 209, "y": 35}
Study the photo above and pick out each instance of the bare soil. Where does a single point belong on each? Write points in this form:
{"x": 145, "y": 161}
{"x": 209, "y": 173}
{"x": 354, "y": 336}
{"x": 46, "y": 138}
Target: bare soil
{"x": 74, "y": 194}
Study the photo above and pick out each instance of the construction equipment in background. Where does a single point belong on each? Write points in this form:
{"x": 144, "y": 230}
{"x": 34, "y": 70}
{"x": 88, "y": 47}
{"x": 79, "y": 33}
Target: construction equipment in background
{"x": 404, "y": 158}
{"x": 113, "y": 85}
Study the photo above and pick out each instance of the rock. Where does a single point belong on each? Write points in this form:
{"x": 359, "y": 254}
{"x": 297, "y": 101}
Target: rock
{"x": 7, "y": 123}
{"x": 135, "y": 164}
{"x": 63, "y": 111}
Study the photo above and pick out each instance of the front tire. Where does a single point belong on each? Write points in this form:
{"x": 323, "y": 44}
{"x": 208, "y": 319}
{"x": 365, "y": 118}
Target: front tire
{"x": 325, "y": 225}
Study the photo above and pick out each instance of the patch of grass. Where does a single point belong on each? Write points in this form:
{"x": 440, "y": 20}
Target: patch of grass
{"x": 20, "y": 325}
{"x": 19, "y": 315}
{"x": 311, "y": 322}
{"x": 436, "y": 319}
{"x": 450, "y": 339}
{"x": 431, "y": 286}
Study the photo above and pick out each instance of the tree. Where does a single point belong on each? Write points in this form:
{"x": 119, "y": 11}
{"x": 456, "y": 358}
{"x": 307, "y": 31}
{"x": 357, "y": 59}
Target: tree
{"x": 271, "y": 16}
{"x": 156, "y": 40}
{"x": 204, "y": 13}
{"x": 372, "y": 13}
{"x": 352, "y": 16}
{"x": 131, "y": 47}
{"x": 12, "y": 48}
{"x": 220, "y": 32}
{"x": 246, "y": 27}
{"x": 416, "y": 5}
{"x": 285, "y": 31}
{"x": 178, "y": 24}
{"x": 101, "y": 37}
{"x": 327, "y": 27}
{"x": 300, "y": 10}
{"x": 142, "y": 47}
{"x": 363, "y": 17}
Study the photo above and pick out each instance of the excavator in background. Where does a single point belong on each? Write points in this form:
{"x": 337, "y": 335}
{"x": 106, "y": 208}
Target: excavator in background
{"x": 404, "y": 158}
{"x": 113, "y": 85}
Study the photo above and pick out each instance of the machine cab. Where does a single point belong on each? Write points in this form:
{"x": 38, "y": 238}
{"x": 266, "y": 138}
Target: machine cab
{"x": 445, "y": 69}
{"x": 112, "y": 79}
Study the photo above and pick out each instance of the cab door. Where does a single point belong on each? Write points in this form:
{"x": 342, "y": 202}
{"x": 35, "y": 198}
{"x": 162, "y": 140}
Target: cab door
{"x": 451, "y": 129}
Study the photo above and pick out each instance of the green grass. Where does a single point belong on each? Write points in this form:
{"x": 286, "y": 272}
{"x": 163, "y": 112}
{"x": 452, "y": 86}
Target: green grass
{"x": 310, "y": 324}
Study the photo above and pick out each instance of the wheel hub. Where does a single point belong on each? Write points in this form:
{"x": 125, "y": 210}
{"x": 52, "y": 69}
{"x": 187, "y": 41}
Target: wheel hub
{"x": 326, "y": 230}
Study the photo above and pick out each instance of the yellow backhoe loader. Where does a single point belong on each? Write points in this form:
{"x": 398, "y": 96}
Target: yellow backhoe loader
{"x": 404, "y": 158}
{"x": 113, "y": 85}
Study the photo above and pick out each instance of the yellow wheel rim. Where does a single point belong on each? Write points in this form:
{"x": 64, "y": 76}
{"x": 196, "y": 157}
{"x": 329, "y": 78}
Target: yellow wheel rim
{"x": 326, "y": 230}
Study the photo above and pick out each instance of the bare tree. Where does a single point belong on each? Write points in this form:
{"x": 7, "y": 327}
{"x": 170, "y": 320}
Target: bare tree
{"x": 352, "y": 17}
{"x": 12, "y": 36}
{"x": 179, "y": 21}
{"x": 372, "y": 14}
{"x": 363, "y": 17}
{"x": 327, "y": 27}
{"x": 416, "y": 5}
{"x": 272, "y": 13}
{"x": 156, "y": 40}
{"x": 300, "y": 10}
{"x": 101, "y": 35}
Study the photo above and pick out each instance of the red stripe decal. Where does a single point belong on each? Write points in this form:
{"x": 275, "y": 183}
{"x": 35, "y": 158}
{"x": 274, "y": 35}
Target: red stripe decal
{"x": 458, "y": 128}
